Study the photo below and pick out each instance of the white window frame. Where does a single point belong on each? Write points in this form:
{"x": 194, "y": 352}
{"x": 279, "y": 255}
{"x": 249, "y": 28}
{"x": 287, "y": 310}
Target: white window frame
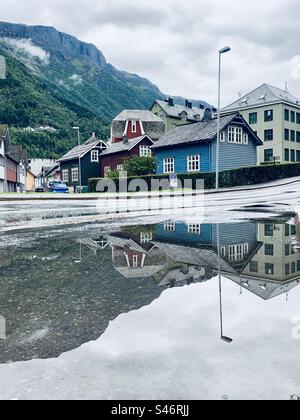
{"x": 194, "y": 228}
{"x": 120, "y": 168}
{"x": 133, "y": 126}
{"x": 145, "y": 151}
{"x": 223, "y": 251}
{"x": 95, "y": 156}
{"x": 146, "y": 237}
{"x": 169, "y": 165}
{"x": 75, "y": 174}
{"x": 222, "y": 137}
{"x": 106, "y": 169}
{"x": 246, "y": 138}
{"x": 236, "y": 252}
{"x": 65, "y": 175}
{"x": 170, "y": 227}
{"x": 235, "y": 135}
{"x": 194, "y": 163}
{"x": 135, "y": 261}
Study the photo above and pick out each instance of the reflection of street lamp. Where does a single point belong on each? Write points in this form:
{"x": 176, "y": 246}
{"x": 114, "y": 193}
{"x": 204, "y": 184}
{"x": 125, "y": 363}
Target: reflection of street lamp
{"x": 222, "y": 51}
{"x": 223, "y": 337}
{"x": 80, "y": 254}
{"x": 79, "y": 158}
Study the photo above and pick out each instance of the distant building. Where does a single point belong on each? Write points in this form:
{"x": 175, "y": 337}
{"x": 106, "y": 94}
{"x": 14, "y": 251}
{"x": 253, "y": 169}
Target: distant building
{"x": 48, "y": 174}
{"x": 274, "y": 114}
{"x": 30, "y": 181}
{"x": 192, "y": 148}
{"x": 174, "y": 115}
{"x": 131, "y": 124}
{"x": 89, "y": 155}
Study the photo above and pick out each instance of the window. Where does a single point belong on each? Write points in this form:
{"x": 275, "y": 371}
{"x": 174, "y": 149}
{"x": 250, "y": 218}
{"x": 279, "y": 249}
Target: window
{"x": 268, "y": 155}
{"x": 269, "y": 136}
{"x": 145, "y": 151}
{"x": 246, "y": 139}
{"x": 223, "y": 251}
{"x": 269, "y": 115}
{"x": 287, "y": 250}
{"x": 298, "y": 136}
{"x": 269, "y": 269}
{"x": 293, "y": 135}
{"x": 287, "y": 230}
{"x": 287, "y": 115}
{"x": 75, "y": 174}
{"x": 94, "y": 156}
{"x": 235, "y": 135}
{"x": 287, "y": 155}
{"x": 106, "y": 170}
{"x": 298, "y": 155}
{"x": 287, "y": 134}
{"x": 135, "y": 261}
{"x": 65, "y": 175}
{"x": 269, "y": 229}
{"x": 170, "y": 227}
{"x": 293, "y": 267}
{"x": 193, "y": 163}
{"x": 298, "y": 117}
{"x": 236, "y": 252}
{"x": 146, "y": 237}
{"x": 253, "y": 118}
{"x": 298, "y": 265}
{"x": 287, "y": 269}
{"x": 246, "y": 248}
{"x": 293, "y": 156}
{"x": 120, "y": 167}
{"x": 194, "y": 229}
{"x": 169, "y": 166}
{"x": 254, "y": 267}
{"x": 293, "y": 116}
{"x": 269, "y": 249}
{"x": 222, "y": 137}
{"x": 133, "y": 126}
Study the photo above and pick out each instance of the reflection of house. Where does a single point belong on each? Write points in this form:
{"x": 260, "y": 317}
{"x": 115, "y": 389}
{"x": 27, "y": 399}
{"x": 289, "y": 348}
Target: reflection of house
{"x": 275, "y": 268}
{"x": 134, "y": 258}
{"x": 48, "y": 174}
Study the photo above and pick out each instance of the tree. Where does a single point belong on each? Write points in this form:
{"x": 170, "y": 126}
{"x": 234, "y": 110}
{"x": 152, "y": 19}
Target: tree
{"x": 139, "y": 166}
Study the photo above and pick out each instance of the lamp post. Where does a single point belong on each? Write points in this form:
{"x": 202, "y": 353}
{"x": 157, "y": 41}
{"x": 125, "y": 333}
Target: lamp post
{"x": 222, "y": 51}
{"x": 79, "y": 157}
{"x": 223, "y": 337}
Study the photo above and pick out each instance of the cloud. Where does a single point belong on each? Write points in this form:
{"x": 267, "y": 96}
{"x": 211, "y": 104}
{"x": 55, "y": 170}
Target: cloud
{"x": 26, "y": 46}
{"x": 175, "y": 44}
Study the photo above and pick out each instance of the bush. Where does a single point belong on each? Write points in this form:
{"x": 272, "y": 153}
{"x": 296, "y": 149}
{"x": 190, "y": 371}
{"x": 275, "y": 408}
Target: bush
{"x": 233, "y": 178}
{"x": 140, "y": 166}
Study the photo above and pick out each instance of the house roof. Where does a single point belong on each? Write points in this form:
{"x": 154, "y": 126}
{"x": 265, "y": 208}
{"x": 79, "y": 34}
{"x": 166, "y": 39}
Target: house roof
{"x": 3, "y": 130}
{"x": 139, "y": 115}
{"x": 81, "y": 150}
{"x": 175, "y": 110}
{"x": 123, "y": 147}
{"x": 261, "y": 96}
{"x": 201, "y": 132}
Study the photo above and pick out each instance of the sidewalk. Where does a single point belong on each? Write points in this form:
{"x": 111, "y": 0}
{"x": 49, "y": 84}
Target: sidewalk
{"x": 155, "y": 194}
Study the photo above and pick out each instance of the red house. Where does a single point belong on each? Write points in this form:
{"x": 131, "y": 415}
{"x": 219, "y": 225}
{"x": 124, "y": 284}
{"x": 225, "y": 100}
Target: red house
{"x": 112, "y": 159}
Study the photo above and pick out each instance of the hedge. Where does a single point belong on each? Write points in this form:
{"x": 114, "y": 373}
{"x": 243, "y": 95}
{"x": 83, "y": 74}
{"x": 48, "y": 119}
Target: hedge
{"x": 236, "y": 177}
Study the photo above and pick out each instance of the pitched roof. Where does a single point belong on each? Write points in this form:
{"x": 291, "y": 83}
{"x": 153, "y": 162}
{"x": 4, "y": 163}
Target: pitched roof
{"x": 81, "y": 150}
{"x": 139, "y": 115}
{"x": 175, "y": 110}
{"x": 261, "y": 96}
{"x": 123, "y": 147}
{"x": 201, "y": 132}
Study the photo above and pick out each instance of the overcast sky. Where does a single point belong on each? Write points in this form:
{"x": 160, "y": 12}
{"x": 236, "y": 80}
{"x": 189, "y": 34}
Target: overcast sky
{"x": 174, "y": 43}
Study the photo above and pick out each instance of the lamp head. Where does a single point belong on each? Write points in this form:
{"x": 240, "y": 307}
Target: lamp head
{"x": 224, "y": 50}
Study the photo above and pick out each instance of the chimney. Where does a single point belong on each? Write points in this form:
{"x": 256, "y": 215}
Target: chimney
{"x": 201, "y": 106}
{"x": 207, "y": 114}
{"x": 170, "y": 101}
{"x": 188, "y": 104}
{"x": 94, "y": 135}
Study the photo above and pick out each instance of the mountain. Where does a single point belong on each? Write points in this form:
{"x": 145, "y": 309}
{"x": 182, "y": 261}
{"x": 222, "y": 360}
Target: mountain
{"x": 57, "y": 81}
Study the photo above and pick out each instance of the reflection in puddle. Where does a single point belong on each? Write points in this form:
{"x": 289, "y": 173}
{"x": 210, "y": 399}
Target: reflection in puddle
{"x": 63, "y": 291}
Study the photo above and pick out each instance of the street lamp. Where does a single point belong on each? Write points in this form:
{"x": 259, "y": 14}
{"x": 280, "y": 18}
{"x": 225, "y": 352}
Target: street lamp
{"x": 79, "y": 157}
{"x": 222, "y": 51}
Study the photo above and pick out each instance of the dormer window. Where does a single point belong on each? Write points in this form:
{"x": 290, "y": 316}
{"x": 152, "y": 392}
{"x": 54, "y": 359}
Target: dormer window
{"x": 95, "y": 156}
{"x": 133, "y": 126}
{"x": 183, "y": 116}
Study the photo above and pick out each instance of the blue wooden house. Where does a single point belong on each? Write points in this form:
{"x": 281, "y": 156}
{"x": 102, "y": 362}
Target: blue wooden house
{"x": 192, "y": 148}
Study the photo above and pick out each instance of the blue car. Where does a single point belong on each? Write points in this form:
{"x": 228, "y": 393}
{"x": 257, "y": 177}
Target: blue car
{"x": 58, "y": 187}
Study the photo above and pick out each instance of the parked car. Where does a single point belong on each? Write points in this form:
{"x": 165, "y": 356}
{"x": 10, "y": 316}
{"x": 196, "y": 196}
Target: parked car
{"x": 58, "y": 187}
{"x": 40, "y": 190}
